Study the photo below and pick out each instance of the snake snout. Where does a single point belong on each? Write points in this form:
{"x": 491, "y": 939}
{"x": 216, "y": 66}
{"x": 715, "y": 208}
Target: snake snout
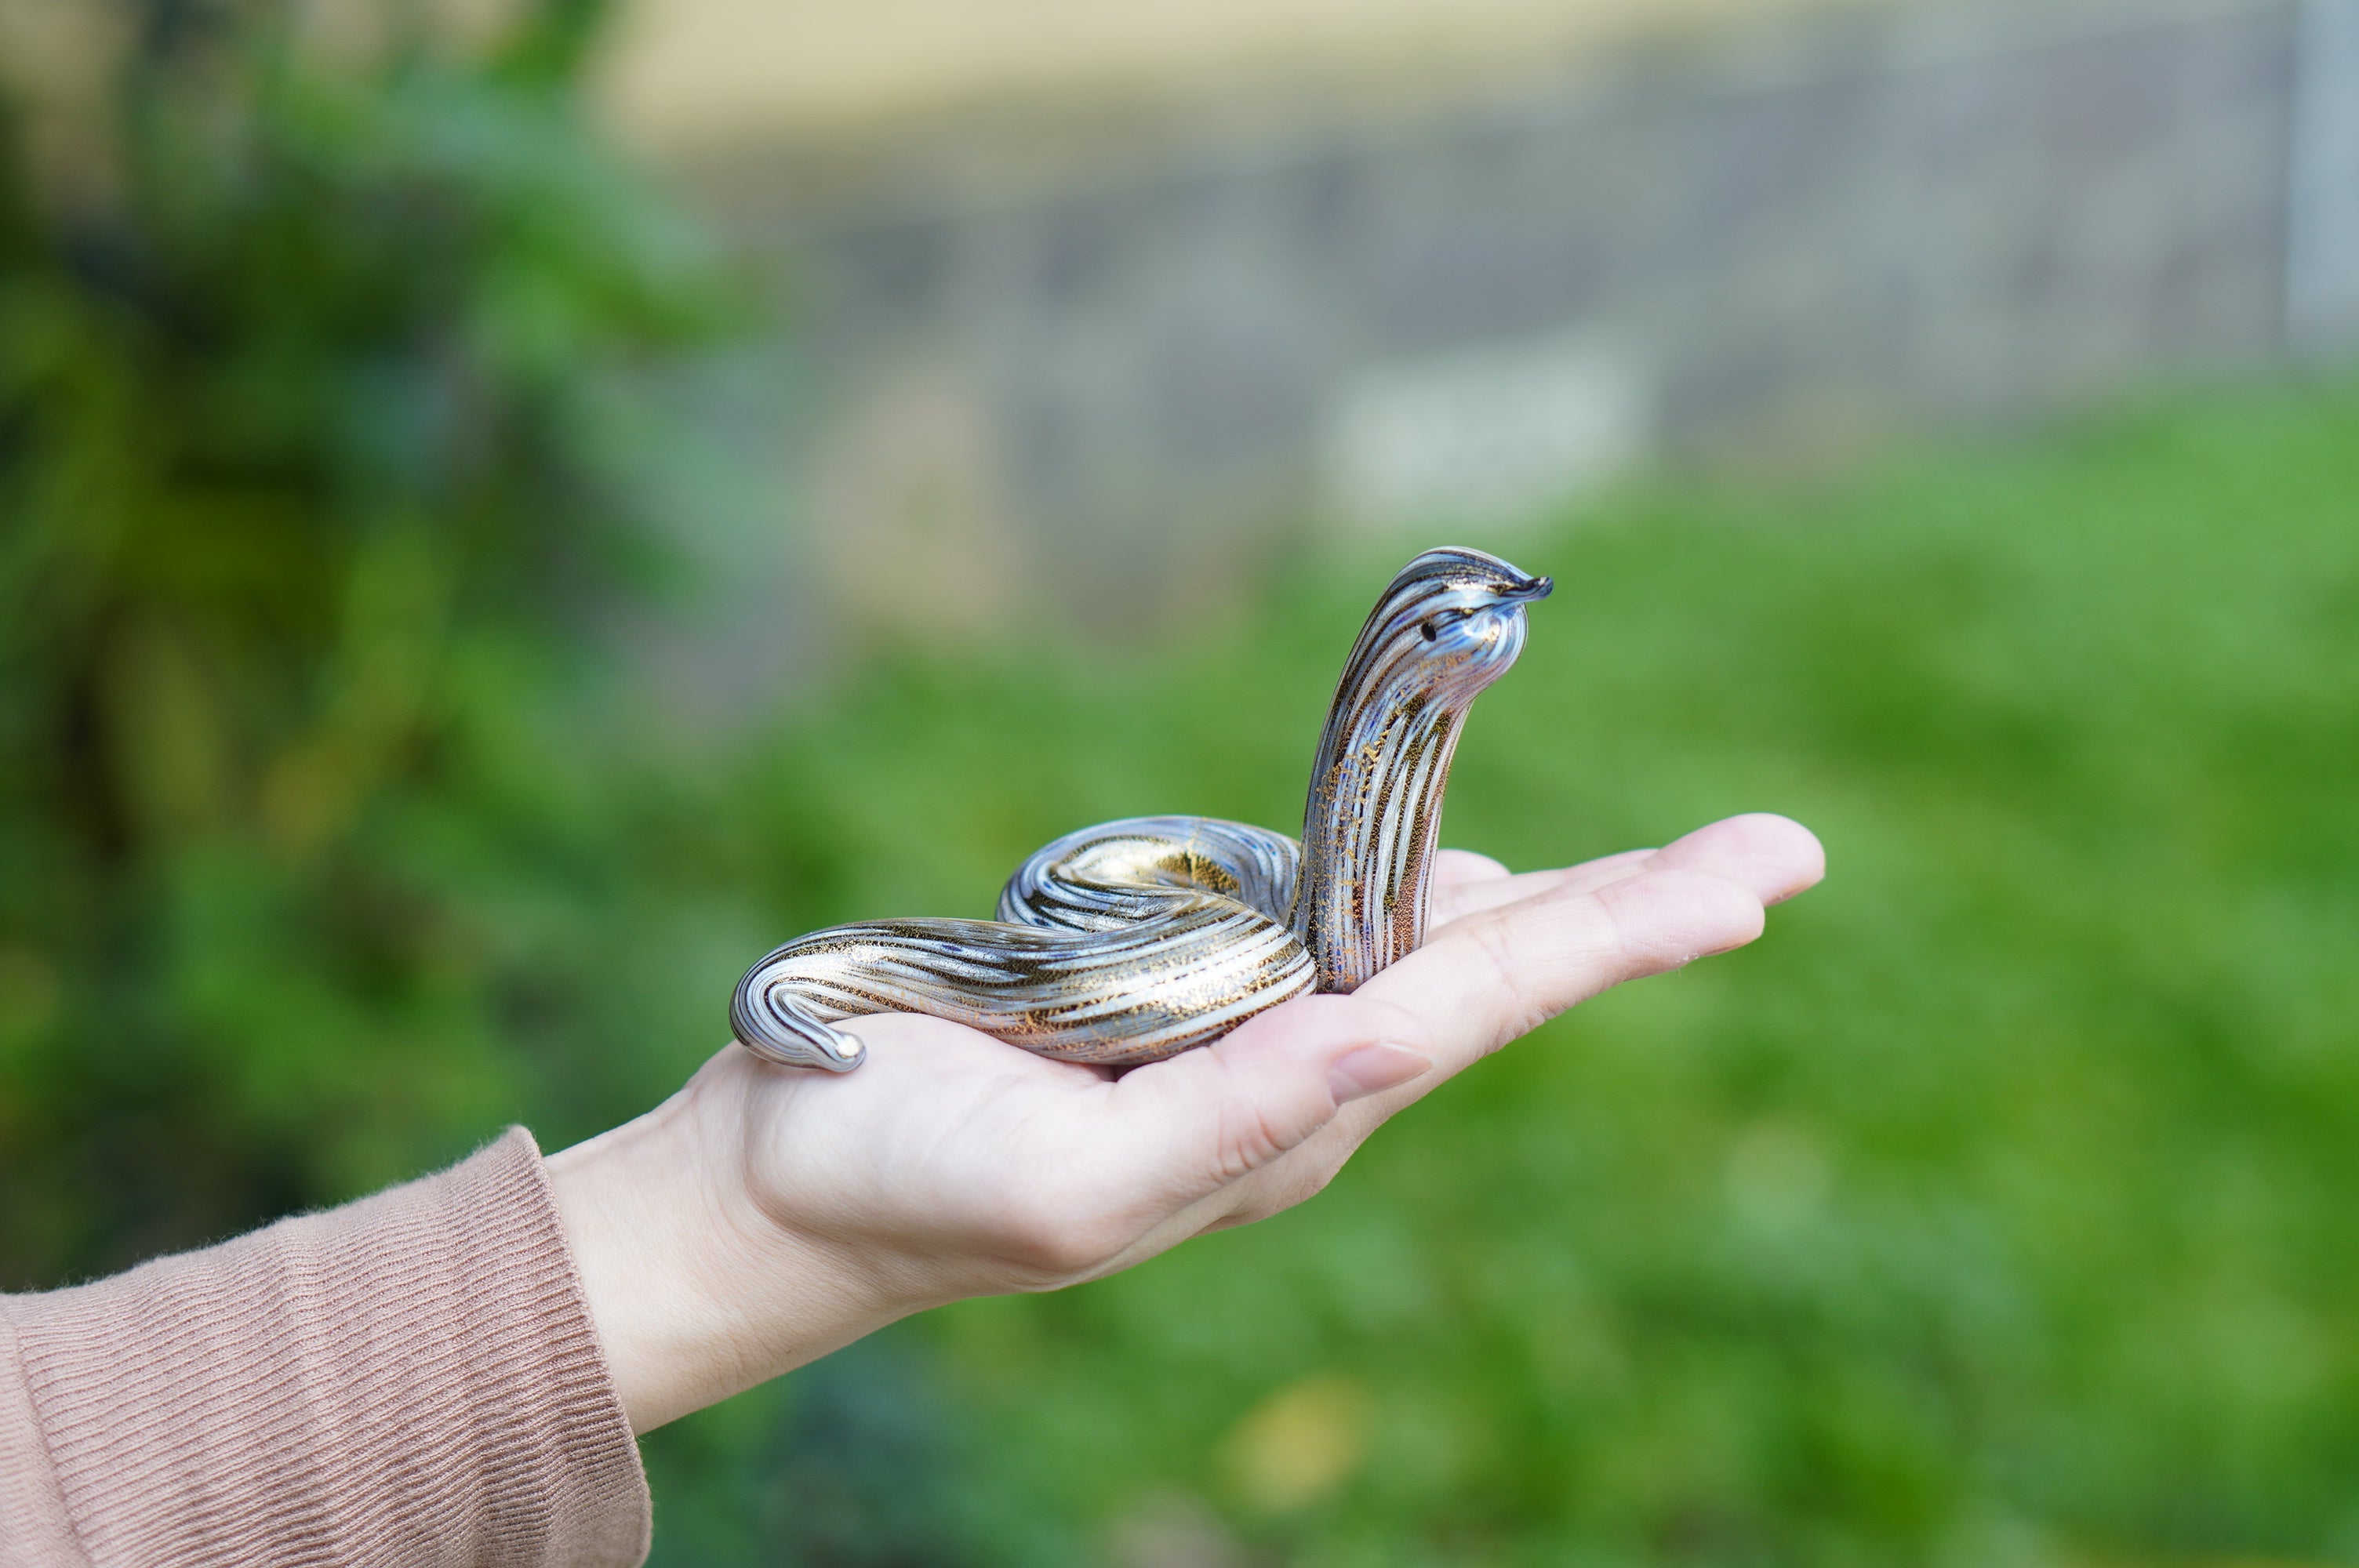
{"x": 1529, "y": 591}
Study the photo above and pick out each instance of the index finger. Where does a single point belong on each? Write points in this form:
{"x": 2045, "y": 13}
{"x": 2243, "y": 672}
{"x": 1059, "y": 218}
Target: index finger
{"x": 1503, "y": 970}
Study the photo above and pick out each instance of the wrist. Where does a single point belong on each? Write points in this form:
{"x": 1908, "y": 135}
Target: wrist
{"x": 695, "y": 1294}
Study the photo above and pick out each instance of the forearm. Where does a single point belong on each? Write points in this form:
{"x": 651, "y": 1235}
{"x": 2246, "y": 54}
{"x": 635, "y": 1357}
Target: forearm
{"x": 412, "y": 1378}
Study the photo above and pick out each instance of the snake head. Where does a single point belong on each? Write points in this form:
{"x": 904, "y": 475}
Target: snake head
{"x": 1450, "y": 624}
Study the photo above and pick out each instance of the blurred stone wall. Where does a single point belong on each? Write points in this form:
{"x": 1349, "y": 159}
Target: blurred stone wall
{"x": 1076, "y": 367}
{"x": 2322, "y": 216}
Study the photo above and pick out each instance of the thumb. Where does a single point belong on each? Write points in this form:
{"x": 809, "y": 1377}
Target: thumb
{"x": 1207, "y": 1117}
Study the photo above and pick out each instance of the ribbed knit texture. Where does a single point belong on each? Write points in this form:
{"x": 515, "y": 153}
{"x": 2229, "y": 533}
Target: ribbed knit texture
{"x": 413, "y": 1379}
{"x": 34, "y": 1528}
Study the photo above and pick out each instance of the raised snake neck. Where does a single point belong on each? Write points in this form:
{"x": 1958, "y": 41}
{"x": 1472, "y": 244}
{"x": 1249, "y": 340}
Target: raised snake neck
{"x": 1135, "y": 940}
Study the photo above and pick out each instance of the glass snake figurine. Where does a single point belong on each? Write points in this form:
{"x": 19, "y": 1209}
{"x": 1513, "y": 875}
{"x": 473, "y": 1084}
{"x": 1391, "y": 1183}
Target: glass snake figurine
{"x": 1135, "y": 940}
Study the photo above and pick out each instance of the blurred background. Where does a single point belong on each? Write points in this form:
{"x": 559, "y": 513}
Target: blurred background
{"x": 510, "y": 507}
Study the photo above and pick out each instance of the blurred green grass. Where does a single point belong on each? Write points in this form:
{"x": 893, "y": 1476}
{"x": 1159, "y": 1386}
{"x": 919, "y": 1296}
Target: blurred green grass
{"x": 1997, "y": 1207}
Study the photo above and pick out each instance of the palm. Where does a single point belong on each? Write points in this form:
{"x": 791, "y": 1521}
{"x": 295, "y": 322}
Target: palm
{"x": 984, "y": 1168}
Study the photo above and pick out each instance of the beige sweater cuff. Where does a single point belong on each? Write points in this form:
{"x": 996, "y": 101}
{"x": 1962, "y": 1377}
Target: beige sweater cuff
{"x": 413, "y": 1379}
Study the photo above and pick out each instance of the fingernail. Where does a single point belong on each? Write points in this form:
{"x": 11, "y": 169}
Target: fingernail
{"x": 1371, "y": 1068}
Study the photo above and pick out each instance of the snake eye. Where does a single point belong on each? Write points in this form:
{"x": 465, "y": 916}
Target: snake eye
{"x": 1425, "y": 630}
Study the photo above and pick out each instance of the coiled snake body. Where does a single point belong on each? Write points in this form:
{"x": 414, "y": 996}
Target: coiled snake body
{"x": 1135, "y": 940}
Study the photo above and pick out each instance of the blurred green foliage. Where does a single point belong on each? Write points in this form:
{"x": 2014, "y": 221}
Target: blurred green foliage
{"x": 1995, "y": 1209}
{"x": 316, "y": 432}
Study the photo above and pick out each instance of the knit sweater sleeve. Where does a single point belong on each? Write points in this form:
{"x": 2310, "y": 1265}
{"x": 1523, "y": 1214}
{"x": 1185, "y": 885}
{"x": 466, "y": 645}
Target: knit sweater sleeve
{"x": 412, "y": 1378}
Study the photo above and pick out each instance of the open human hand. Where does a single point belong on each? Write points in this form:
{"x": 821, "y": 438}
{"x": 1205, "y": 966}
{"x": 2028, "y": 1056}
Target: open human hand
{"x": 765, "y": 1215}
